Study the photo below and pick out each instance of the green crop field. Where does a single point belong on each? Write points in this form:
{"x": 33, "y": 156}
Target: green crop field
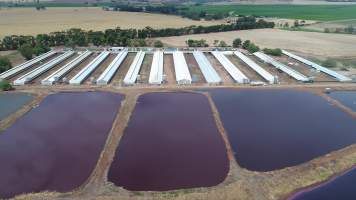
{"x": 306, "y": 12}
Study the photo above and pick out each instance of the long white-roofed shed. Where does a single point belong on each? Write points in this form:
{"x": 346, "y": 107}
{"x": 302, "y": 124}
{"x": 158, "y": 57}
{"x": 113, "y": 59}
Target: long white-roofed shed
{"x": 20, "y": 68}
{"x": 109, "y": 72}
{"x": 156, "y": 73}
{"x": 181, "y": 68}
{"x": 57, "y": 75}
{"x": 291, "y": 72}
{"x": 134, "y": 69}
{"x": 234, "y": 72}
{"x": 210, "y": 75}
{"x": 87, "y": 70}
{"x": 42, "y": 69}
{"x": 262, "y": 72}
{"x": 332, "y": 73}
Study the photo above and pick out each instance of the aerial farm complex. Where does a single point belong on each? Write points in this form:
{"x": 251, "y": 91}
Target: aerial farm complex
{"x": 167, "y": 66}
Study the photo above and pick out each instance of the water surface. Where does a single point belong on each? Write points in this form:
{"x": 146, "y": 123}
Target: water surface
{"x": 171, "y": 142}
{"x": 273, "y": 129}
{"x": 348, "y": 98}
{"x": 342, "y": 187}
{"x": 57, "y": 144}
{"x": 11, "y": 102}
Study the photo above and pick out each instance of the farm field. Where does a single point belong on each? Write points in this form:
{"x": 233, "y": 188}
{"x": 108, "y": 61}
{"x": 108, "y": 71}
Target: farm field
{"x": 28, "y": 21}
{"x": 307, "y": 12}
{"x": 322, "y": 44}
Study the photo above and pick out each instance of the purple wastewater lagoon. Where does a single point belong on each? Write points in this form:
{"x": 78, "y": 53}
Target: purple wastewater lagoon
{"x": 56, "y": 145}
{"x": 171, "y": 142}
{"x": 11, "y": 102}
{"x": 273, "y": 129}
{"x": 339, "y": 188}
{"x": 348, "y": 98}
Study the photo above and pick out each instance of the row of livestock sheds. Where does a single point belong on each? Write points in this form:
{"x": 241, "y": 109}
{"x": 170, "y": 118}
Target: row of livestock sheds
{"x": 262, "y": 72}
{"x": 234, "y": 72}
{"x": 26, "y": 78}
{"x": 87, "y": 70}
{"x": 20, "y": 68}
{"x": 61, "y": 72}
{"x": 181, "y": 68}
{"x": 210, "y": 75}
{"x": 110, "y": 71}
{"x": 134, "y": 69}
{"x": 291, "y": 72}
{"x": 332, "y": 73}
{"x": 156, "y": 73}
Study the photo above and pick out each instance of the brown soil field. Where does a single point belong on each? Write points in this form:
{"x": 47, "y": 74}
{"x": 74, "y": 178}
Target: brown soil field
{"x": 322, "y": 44}
{"x": 28, "y": 21}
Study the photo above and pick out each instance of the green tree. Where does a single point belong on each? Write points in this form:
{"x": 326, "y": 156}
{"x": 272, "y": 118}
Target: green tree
{"x": 246, "y": 44}
{"x": 273, "y": 52}
{"x": 5, "y": 64}
{"x": 329, "y": 63}
{"x": 5, "y": 85}
{"x": 158, "y": 44}
{"x": 26, "y": 51}
{"x": 40, "y": 49}
{"x": 222, "y": 44}
{"x": 236, "y": 43}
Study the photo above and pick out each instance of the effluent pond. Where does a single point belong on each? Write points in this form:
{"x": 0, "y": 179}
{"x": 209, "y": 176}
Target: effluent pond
{"x": 342, "y": 187}
{"x": 171, "y": 142}
{"x": 347, "y": 98}
{"x": 273, "y": 129}
{"x": 56, "y": 145}
{"x": 11, "y": 102}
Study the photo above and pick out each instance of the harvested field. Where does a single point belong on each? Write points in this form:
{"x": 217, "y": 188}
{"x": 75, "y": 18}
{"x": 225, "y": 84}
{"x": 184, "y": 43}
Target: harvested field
{"x": 29, "y": 21}
{"x": 162, "y": 149}
{"x": 145, "y": 69}
{"x": 77, "y": 69}
{"x": 55, "y": 68}
{"x": 168, "y": 69}
{"x": 245, "y": 69}
{"x": 322, "y": 44}
{"x": 124, "y": 67}
{"x": 195, "y": 73}
{"x": 11, "y": 102}
{"x": 224, "y": 75}
{"x": 56, "y": 145}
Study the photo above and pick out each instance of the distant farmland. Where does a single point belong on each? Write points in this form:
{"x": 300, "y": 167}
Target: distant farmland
{"x": 28, "y": 21}
{"x": 306, "y": 12}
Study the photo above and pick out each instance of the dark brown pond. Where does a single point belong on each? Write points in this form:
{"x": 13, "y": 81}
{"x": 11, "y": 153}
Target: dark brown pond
{"x": 171, "y": 142}
{"x": 273, "y": 129}
{"x": 56, "y": 145}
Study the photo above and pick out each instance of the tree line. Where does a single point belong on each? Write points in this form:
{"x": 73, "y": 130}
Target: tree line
{"x": 167, "y": 9}
{"x": 121, "y": 37}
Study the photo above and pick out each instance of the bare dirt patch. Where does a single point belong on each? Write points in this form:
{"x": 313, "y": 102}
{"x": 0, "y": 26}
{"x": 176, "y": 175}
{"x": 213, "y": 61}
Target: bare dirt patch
{"x": 224, "y": 75}
{"x": 145, "y": 69}
{"x": 124, "y": 67}
{"x": 197, "y": 76}
{"x": 322, "y": 44}
{"x": 250, "y": 73}
{"x": 168, "y": 69}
